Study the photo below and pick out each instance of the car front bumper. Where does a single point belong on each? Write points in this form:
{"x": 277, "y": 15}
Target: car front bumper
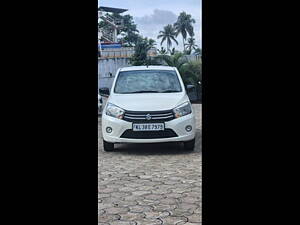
{"x": 120, "y": 126}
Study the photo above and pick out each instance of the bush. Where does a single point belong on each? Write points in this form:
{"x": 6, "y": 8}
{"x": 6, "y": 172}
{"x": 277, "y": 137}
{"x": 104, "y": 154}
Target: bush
{"x": 191, "y": 72}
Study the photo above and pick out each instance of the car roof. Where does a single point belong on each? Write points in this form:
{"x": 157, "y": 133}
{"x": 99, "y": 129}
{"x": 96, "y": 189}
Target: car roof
{"x": 130, "y": 68}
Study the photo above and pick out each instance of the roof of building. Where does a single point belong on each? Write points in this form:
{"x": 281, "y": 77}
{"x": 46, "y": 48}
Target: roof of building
{"x": 113, "y": 10}
{"x": 147, "y": 68}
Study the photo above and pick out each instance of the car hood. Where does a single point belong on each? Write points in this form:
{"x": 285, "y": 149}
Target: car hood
{"x": 148, "y": 101}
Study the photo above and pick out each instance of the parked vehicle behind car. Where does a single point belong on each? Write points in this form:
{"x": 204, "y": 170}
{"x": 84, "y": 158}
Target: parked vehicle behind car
{"x": 100, "y": 103}
{"x": 147, "y": 105}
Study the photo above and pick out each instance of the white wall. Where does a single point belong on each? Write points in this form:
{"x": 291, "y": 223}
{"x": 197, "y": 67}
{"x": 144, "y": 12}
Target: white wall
{"x": 106, "y": 66}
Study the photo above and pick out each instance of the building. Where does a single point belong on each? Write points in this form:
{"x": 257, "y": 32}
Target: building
{"x": 104, "y": 14}
{"x": 112, "y": 55}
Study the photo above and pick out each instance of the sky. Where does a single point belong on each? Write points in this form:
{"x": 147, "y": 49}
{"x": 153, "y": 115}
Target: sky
{"x": 152, "y": 15}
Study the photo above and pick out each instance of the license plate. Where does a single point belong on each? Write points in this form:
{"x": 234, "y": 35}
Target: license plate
{"x": 148, "y": 126}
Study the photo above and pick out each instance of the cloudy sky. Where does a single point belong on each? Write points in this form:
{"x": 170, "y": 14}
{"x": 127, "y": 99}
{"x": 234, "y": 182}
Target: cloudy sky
{"x": 152, "y": 15}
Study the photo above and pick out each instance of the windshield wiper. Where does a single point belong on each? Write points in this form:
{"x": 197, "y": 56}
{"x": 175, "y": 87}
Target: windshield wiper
{"x": 140, "y": 92}
{"x": 168, "y": 91}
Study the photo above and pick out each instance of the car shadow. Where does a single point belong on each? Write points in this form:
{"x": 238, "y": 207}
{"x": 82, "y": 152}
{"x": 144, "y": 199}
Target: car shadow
{"x": 159, "y": 148}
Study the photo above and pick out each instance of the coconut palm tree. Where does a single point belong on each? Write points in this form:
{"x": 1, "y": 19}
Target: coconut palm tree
{"x": 168, "y": 34}
{"x": 141, "y": 48}
{"x": 162, "y": 51}
{"x": 151, "y": 43}
{"x": 190, "y": 71}
{"x": 184, "y": 26}
{"x": 177, "y": 60}
{"x": 191, "y": 45}
{"x": 173, "y": 51}
{"x": 198, "y": 51}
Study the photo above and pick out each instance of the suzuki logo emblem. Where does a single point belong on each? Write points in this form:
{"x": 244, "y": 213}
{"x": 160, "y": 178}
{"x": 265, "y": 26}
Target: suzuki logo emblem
{"x": 148, "y": 117}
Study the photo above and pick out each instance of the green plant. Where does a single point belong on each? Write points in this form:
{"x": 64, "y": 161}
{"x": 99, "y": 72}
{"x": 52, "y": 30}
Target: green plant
{"x": 142, "y": 46}
{"x": 191, "y": 72}
{"x": 173, "y": 51}
{"x": 176, "y": 60}
{"x": 162, "y": 51}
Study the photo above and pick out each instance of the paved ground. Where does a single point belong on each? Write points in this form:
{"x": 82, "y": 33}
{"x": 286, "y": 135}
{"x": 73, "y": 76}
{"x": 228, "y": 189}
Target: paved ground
{"x": 150, "y": 184}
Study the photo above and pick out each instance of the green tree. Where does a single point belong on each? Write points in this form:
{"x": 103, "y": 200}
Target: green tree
{"x": 177, "y": 60}
{"x": 173, "y": 51}
{"x": 168, "y": 34}
{"x": 198, "y": 51}
{"x": 129, "y": 39}
{"x": 151, "y": 42}
{"x": 140, "y": 56}
{"x": 128, "y": 30}
{"x": 162, "y": 51}
{"x": 191, "y": 45}
{"x": 184, "y": 26}
{"x": 190, "y": 71}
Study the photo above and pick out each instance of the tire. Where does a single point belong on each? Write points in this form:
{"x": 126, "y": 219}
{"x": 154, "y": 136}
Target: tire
{"x": 108, "y": 147}
{"x": 189, "y": 145}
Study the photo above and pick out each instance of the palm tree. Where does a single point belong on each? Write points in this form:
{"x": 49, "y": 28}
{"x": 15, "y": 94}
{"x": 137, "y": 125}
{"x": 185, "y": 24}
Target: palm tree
{"x": 198, "y": 51}
{"x": 190, "y": 71}
{"x": 177, "y": 60}
{"x": 184, "y": 26}
{"x": 191, "y": 45}
{"x": 141, "y": 48}
{"x": 168, "y": 34}
{"x": 162, "y": 51}
{"x": 151, "y": 43}
{"x": 173, "y": 51}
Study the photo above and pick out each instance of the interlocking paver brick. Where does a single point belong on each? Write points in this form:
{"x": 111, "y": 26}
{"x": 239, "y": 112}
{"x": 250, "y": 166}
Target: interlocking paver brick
{"x": 174, "y": 220}
{"x": 156, "y": 215}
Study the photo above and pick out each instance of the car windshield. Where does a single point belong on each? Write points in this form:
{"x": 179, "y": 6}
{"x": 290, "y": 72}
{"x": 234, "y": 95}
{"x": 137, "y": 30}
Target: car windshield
{"x": 147, "y": 81}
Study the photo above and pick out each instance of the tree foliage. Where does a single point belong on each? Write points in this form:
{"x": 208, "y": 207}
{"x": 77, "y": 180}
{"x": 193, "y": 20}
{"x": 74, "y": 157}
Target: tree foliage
{"x": 198, "y": 51}
{"x": 129, "y": 31}
{"x": 168, "y": 35}
{"x": 191, "y": 45}
{"x": 162, "y": 51}
{"x": 184, "y": 26}
{"x": 142, "y": 46}
{"x": 190, "y": 71}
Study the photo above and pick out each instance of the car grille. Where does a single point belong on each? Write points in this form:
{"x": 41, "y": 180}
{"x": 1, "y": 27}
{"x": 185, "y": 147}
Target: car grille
{"x": 167, "y": 133}
{"x": 148, "y": 116}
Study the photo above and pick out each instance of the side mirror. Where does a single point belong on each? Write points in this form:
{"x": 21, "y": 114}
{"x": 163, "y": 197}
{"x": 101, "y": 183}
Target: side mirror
{"x": 190, "y": 87}
{"x": 104, "y": 92}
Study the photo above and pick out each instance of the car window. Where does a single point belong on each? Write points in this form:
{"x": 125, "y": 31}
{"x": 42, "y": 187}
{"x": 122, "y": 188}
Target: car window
{"x": 141, "y": 81}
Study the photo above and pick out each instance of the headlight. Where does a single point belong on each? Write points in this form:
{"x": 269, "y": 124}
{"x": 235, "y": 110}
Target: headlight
{"x": 182, "y": 110}
{"x": 114, "y": 111}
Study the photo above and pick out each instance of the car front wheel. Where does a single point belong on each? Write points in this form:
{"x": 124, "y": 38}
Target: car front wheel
{"x": 189, "y": 145}
{"x": 108, "y": 147}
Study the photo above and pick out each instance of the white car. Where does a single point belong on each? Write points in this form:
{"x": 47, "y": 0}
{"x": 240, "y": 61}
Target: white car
{"x": 147, "y": 105}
